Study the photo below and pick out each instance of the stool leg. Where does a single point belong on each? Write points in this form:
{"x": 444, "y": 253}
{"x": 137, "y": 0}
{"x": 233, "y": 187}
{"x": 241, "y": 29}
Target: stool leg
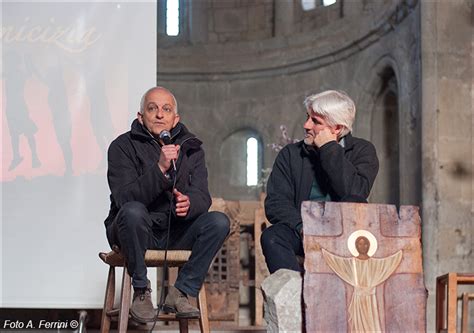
{"x": 202, "y": 305}
{"x": 124, "y": 301}
{"x": 109, "y": 301}
{"x": 465, "y": 313}
{"x": 183, "y": 326}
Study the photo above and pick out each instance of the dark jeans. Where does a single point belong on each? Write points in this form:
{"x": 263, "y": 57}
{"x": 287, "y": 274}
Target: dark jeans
{"x": 132, "y": 231}
{"x": 281, "y": 244}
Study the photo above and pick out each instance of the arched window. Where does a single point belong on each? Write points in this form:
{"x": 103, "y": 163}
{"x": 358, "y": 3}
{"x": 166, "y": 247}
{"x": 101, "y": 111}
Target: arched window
{"x": 240, "y": 165}
{"x": 308, "y": 4}
{"x": 328, "y": 2}
{"x": 172, "y": 17}
{"x": 252, "y": 161}
{"x": 312, "y": 4}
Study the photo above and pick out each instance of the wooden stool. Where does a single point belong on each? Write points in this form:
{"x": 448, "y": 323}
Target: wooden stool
{"x": 153, "y": 258}
{"x": 450, "y": 282}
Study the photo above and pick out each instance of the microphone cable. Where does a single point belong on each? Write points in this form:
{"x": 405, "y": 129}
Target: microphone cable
{"x": 165, "y": 259}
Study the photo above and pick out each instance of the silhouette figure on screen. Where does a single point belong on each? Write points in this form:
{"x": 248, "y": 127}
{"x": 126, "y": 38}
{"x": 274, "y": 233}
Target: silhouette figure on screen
{"x": 18, "y": 119}
{"x": 49, "y": 70}
{"x": 100, "y": 118}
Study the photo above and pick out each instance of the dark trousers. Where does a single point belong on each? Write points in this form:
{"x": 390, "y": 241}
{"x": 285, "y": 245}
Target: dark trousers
{"x": 281, "y": 244}
{"x": 132, "y": 232}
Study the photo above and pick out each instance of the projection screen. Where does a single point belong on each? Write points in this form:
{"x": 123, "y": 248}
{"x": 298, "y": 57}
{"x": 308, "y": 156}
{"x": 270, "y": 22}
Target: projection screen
{"x": 72, "y": 77}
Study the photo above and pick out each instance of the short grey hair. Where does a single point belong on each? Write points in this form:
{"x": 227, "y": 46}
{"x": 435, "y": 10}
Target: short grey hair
{"x": 336, "y": 107}
{"x": 142, "y": 100}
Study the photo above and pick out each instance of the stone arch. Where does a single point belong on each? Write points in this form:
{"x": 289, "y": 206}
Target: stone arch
{"x": 370, "y": 101}
{"x": 365, "y": 101}
{"x": 385, "y": 136}
{"x": 378, "y": 120}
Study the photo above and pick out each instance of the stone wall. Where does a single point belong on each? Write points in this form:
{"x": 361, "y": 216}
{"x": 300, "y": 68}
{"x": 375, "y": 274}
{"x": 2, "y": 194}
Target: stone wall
{"x": 448, "y": 144}
{"x": 256, "y": 86}
{"x": 236, "y": 20}
{"x": 238, "y": 82}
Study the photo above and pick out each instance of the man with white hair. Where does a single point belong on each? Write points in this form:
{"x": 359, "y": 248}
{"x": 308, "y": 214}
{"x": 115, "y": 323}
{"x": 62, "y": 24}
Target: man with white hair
{"x": 155, "y": 181}
{"x": 328, "y": 165}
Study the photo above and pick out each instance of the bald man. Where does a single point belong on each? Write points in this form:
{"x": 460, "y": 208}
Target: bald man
{"x": 141, "y": 174}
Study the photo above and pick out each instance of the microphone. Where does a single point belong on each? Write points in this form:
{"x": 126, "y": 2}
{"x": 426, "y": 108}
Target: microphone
{"x": 165, "y": 136}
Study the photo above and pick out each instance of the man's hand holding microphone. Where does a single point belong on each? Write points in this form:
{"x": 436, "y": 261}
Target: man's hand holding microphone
{"x": 169, "y": 155}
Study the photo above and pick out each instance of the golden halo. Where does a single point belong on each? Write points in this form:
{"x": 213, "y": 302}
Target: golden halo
{"x": 367, "y": 234}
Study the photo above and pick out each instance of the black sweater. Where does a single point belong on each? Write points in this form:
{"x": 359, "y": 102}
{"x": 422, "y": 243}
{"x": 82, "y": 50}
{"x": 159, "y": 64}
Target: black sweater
{"x": 343, "y": 172}
{"x": 134, "y": 175}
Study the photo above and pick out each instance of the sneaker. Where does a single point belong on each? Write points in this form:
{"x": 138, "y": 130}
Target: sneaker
{"x": 142, "y": 309}
{"x": 177, "y": 302}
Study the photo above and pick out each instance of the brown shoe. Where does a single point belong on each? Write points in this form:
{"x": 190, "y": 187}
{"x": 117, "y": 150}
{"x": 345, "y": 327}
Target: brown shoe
{"x": 177, "y": 302}
{"x": 142, "y": 309}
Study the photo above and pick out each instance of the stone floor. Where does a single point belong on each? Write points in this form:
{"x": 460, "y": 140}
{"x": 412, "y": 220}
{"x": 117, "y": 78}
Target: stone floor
{"x": 241, "y": 329}
{"x": 93, "y": 322}
{"x": 195, "y": 329}
{"x": 161, "y": 329}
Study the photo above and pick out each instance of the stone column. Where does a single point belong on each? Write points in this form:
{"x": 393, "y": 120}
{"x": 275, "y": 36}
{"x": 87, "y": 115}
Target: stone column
{"x": 284, "y": 17}
{"x": 161, "y": 17}
{"x": 198, "y": 21}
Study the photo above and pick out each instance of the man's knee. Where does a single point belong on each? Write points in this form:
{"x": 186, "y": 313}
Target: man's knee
{"x": 275, "y": 234}
{"x": 219, "y": 222}
{"x": 267, "y": 239}
{"x": 132, "y": 214}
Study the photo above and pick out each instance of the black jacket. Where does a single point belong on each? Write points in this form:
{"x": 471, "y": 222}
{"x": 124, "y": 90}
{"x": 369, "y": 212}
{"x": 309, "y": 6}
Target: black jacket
{"x": 133, "y": 174}
{"x": 343, "y": 172}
